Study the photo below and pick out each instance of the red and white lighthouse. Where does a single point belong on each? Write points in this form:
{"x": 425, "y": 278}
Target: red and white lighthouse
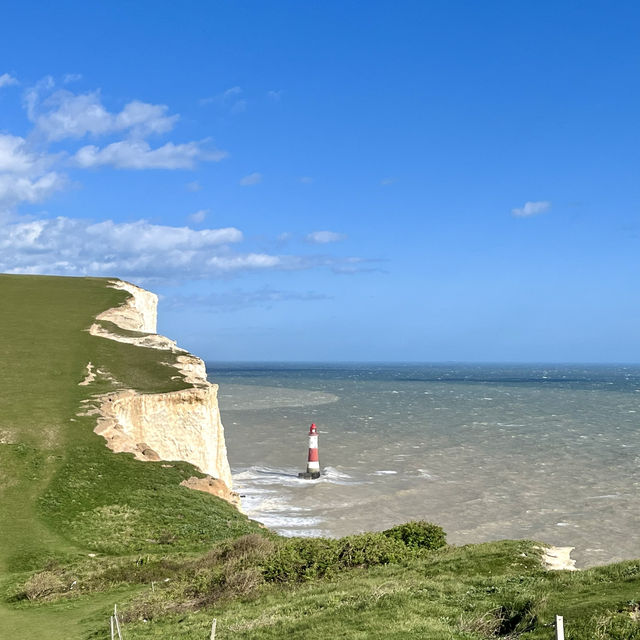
{"x": 313, "y": 462}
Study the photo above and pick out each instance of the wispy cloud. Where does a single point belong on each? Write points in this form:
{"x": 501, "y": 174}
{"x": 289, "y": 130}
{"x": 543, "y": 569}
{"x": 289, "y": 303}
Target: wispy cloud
{"x": 275, "y": 96}
{"x": 306, "y": 180}
{"x": 7, "y": 80}
{"x": 26, "y": 175}
{"x": 229, "y": 99}
{"x": 67, "y": 115}
{"x": 324, "y": 237}
{"x": 193, "y": 186}
{"x": 16, "y": 155}
{"x": 69, "y": 246}
{"x": 30, "y": 172}
{"x": 239, "y": 106}
{"x": 17, "y": 189}
{"x": 241, "y": 299}
{"x": 385, "y": 182}
{"x": 251, "y": 180}
{"x": 531, "y": 209}
{"x": 138, "y": 154}
{"x": 199, "y": 216}
{"x": 68, "y": 78}
{"x": 65, "y": 126}
{"x": 143, "y": 251}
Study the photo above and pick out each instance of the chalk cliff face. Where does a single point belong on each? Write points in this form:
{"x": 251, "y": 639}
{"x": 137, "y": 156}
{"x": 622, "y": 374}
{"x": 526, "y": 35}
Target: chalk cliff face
{"x": 180, "y": 425}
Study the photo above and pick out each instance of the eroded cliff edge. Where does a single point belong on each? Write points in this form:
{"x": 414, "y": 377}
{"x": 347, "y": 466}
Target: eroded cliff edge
{"x": 179, "y": 425}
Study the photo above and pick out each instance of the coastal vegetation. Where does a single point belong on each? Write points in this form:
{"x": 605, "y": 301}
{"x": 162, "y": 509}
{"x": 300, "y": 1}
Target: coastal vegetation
{"x": 82, "y": 528}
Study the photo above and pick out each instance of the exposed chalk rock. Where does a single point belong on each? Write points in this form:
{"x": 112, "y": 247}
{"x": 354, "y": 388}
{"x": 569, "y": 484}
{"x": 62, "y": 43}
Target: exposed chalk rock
{"x": 138, "y": 313}
{"x": 90, "y": 377}
{"x": 214, "y": 487}
{"x": 558, "y": 558}
{"x": 180, "y": 425}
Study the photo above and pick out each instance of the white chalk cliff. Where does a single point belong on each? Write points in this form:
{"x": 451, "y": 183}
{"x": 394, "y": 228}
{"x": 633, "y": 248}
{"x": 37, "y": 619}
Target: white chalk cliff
{"x": 180, "y": 425}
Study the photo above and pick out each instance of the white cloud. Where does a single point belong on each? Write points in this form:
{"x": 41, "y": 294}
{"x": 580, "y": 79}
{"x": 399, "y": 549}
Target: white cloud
{"x": 68, "y": 78}
{"x": 251, "y": 179}
{"x": 532, "y": 209}
{"x": 276, "y": 96}
{"x": 144, "y": 118}
{"x": 143, "y": 236}
{"x": 246, "y": 261}
{"x": 199, "y": 216}
{"x": 6, "y": 80}
{"x": 385, "y": 182}
{"x": 306, "y": 180}
{"x": 15, "y": 157}
{"x": 324, "y": 237}
{"x": 193, "y": 186}
{"x": 68, "y": 115}
{"x": 32, "y": 95}
{"x": 30, "y": 173}
{"x": 25, "y": 174}
{"x": 17, "y": 189}
{"x": 141, "y": 251}
{"x": 137, "y": 154}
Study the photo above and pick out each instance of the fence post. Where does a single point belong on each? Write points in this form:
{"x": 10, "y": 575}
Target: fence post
{"x": 213, "y": 629}
{"x": 115, "y": 616}
{"x": 559, "y": 628}
{"x": 111, "y": 621}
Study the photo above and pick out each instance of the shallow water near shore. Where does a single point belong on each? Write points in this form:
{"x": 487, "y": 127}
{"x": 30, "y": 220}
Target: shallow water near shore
{"x": 488, "y": 452}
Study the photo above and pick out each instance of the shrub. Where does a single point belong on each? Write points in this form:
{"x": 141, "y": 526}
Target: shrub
{"x": 514, "y": 617}
{"x": 517, "y": 616}
{"x": 306, "y": 558}
{"x": 42, "y": 584}
{"x": 368, "y": 549}
{"x": 243, "y": 582}
{"x": 244, "y": 550}
{"x": 301, "y": 559}
{"x": 248, "y": 548}
{"x": 418, "y": 535}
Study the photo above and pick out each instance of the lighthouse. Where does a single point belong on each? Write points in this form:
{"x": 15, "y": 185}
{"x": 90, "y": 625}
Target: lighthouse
{"x": 313, "y": 462}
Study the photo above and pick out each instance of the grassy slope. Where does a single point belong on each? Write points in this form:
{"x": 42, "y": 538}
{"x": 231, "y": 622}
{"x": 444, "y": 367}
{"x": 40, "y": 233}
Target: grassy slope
{"x": 62, "y": 492}
{"x": 453, "y": 593}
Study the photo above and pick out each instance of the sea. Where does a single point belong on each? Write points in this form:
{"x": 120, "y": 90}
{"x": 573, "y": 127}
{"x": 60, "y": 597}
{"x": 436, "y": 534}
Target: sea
{"x": 540, "y": 452}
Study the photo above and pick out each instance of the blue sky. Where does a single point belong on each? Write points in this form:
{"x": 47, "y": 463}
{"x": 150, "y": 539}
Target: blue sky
{"x": 387, "y": 181}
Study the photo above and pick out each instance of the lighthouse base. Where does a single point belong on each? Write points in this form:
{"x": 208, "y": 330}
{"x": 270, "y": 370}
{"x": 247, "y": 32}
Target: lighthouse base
{"x": 309, "y": 475}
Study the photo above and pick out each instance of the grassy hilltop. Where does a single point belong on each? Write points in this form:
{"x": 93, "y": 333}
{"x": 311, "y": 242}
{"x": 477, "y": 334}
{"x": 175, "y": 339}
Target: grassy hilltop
{"x": 63, "y": 494}
{"x": 82, "y": 528}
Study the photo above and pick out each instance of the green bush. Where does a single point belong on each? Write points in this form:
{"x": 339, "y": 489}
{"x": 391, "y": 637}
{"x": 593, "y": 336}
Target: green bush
{"x": 369, "y": 549}
{"x": 418, "y": 535}
{"x": 307, "y": 558}
{"x": 301, "y": 559}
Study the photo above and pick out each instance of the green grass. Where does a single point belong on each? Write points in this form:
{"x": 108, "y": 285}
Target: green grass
{"x": 62, "y": 492}
{"x": 473, "y": 592}
{"x": 64, "y": 496}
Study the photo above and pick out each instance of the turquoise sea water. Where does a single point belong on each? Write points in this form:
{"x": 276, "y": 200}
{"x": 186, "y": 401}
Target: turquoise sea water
{"x": 549, "y": 453}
